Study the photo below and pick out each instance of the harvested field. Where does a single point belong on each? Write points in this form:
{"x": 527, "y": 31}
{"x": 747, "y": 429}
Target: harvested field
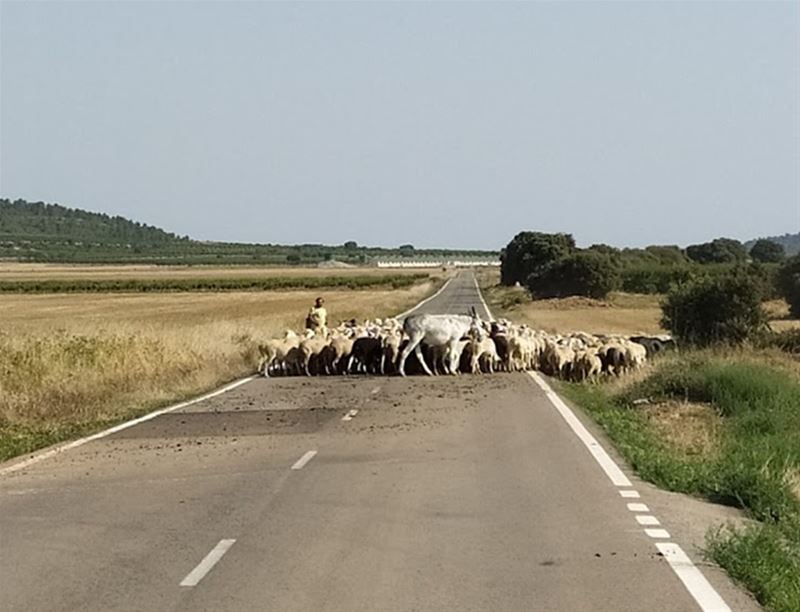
{"x": 621, "y": 313}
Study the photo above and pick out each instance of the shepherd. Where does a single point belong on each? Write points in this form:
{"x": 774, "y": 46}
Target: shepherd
{"x": 317, "y": 318}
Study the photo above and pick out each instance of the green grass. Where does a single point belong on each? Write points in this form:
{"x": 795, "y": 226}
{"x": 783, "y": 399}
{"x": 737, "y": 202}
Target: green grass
{"x": 759, "y": 451}
{"x": 18, "y": 439}
{"x": 171, "y": 285}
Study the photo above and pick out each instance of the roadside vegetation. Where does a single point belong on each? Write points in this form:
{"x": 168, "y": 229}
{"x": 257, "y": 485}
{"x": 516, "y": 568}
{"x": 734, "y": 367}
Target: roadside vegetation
{"x": 718, "y": 419}
{"x": 725, "y": 426}
{"x": 163, "y": 285}
{"x": 75, "y": 363}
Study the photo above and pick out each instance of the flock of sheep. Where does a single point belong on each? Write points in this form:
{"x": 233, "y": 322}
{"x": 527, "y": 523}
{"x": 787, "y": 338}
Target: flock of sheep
{"x": 453, "y": 344}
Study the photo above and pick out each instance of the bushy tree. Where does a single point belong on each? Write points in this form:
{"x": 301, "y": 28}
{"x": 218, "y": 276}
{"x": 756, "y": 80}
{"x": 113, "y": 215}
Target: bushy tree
{"x": 720, "y": 309}
{"x": 720, "y": 250}
{"x": 667, "y": 254}
{"x": 766, "y": 251}
{"x": 588, "y": 273}
{"x": 532, "y": 252}
{"x": 789, "y": 283}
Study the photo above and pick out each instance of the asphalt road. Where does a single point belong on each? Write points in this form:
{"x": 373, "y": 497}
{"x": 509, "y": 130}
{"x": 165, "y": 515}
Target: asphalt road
{"x": 459, "y": 296}
{"x": 447, "y": 493}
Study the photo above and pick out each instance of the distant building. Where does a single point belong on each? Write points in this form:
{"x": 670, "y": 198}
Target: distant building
{"x": 437, "y": 263}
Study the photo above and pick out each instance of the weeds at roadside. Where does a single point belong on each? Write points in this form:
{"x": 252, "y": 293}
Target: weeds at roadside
{"x": 755, "y": 458}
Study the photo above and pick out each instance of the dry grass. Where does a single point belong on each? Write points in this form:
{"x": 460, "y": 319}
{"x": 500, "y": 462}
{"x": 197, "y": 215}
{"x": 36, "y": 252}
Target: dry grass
{"x": 621, "y": 313}
{"x": 13, "y": 271}
{"x": 690, "y": 428}
{"x": 81, "y": 358}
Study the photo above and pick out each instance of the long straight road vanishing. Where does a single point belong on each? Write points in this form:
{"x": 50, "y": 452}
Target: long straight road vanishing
{"x": 355, "y": 493}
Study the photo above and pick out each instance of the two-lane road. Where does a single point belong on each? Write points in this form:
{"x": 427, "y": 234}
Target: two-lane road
{"x": 344, "y": 494}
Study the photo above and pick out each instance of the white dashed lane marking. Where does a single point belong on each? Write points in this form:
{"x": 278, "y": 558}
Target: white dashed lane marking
{"x": 209, "y": 561}
{"x": 300, "y": 463}
{"x": 350, "y": 415}
{"x": 638, "y": 508}
{"x": 630, "y": 494}
{"x": 659, "y": 534}
{"x": 692, "y": 578}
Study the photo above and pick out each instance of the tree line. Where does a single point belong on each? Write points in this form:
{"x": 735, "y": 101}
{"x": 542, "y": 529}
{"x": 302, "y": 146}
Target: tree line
{"x": 713, "y": 291}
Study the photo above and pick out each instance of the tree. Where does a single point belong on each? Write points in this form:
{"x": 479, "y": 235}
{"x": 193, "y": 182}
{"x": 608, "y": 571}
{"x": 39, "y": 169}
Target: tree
{"x": 589, "y": 273}
{"x": 530, "y": 253}
{"x": 789, "y": 283}
{"x": 711, "y": 310}
{"x": 351, "y": 245}
{"x": 720, "y": 250}
{"x": 766, "y": 251}
{"x": 293, "y": 258}
{"x": 667, "y": 254}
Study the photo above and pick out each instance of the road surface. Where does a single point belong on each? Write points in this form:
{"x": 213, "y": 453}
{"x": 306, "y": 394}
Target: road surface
{"x": 446, "y": 493}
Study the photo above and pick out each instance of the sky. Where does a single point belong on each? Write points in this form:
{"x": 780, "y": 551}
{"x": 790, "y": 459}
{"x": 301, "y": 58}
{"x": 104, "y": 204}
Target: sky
{"x": 437, "y": 124}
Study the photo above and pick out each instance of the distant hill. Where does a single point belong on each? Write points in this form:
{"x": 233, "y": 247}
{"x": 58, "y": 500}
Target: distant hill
{"x": 37, "y": 221}
{"x": 36, "y": 231}
{"x": 790, "y": 242}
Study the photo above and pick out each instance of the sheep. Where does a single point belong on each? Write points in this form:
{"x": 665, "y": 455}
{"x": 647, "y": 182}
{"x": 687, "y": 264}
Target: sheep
{"x": 312, "y": 347}
{"x": 483, "y": 350}
{"x": 366, "y": 355}
{"x": 273, "y": 352}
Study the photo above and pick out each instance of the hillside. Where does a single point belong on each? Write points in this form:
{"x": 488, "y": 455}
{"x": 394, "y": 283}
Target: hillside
{"x": 39, "y": 232}
{"x": 37, "y": 221}
{"x": 790, "y": 242}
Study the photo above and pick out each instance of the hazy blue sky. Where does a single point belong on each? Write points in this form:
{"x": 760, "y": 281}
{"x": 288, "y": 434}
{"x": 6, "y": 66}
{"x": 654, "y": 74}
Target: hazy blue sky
{"x": 442, "y": 124}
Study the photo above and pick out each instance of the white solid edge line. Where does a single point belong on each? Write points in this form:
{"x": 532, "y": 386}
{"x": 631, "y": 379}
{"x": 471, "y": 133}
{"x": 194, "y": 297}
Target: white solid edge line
{"x": 638, "y": 508}
{"x": 692, "y": 578}
{"x": 402, "y": 315}
{"x": 593, "y": 446}
{"x": 630, "y": 494}
{"x": 648, "y": 520}
{"x": 480, "y": 295}
{"x": 46, "y": 454}
{"x": 209, "y": 561}
{"x": 300, "y": 463}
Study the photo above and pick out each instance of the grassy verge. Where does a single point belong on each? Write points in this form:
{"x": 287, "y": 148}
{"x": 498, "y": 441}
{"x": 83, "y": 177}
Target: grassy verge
{"x": 132, "y": 285}
{"x": 749, "y": 455}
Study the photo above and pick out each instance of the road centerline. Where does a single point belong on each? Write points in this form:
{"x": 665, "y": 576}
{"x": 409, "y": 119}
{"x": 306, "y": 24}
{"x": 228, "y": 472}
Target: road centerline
{"x": 300, "y": 463}
{"x": 194, "y": 577}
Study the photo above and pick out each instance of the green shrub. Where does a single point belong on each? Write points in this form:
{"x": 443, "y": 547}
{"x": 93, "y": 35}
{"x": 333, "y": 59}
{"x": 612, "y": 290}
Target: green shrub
{"x": 709, "y": 310}
{"x": 788, "y": 282}
{"x": 720, "y": 250}
{"x": 654, "y": 278}
{"x": 766, "y": 251}
{"x": 588, "y": 273}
